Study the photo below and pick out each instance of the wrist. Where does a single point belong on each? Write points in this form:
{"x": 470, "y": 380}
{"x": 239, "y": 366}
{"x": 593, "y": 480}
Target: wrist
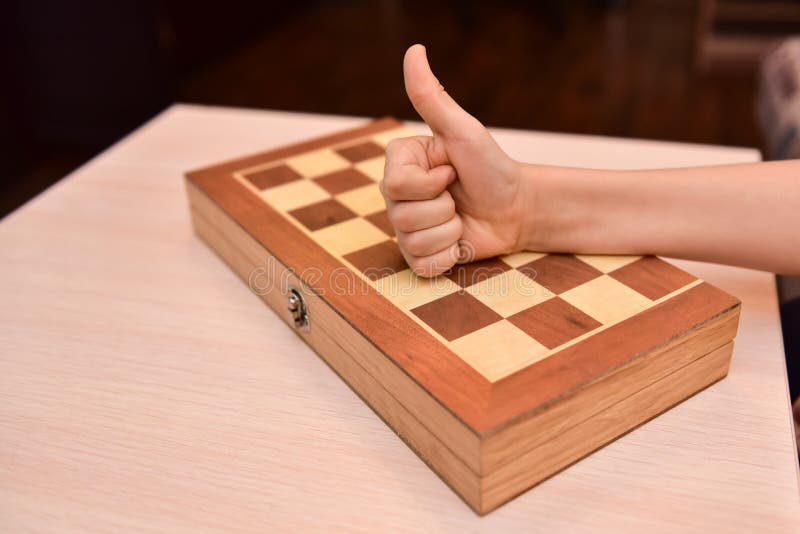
{"x": 534, "y": 190}
{"x": 565, "y": 208}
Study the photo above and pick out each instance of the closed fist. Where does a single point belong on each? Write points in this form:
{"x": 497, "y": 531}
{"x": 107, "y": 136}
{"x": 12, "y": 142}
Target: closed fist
{"x": 455, "y": 196}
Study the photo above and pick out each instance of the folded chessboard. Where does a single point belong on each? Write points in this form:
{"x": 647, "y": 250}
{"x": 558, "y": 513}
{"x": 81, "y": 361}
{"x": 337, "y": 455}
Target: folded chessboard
{"x": 498, "y": 373}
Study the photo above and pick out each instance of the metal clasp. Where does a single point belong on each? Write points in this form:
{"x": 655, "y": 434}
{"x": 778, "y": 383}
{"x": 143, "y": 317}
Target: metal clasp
{"x": 297, "y": 307}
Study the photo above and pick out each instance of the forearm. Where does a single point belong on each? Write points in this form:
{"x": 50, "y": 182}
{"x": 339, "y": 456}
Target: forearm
{"x": 746, "y": 215}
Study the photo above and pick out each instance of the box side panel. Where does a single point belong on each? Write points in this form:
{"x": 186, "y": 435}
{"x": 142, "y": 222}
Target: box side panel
{"x": 573, "y": 444}
{"x": 515, "y": 440}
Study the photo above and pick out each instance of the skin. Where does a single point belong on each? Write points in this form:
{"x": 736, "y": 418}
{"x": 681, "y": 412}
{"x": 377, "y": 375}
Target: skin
{"x": 457, "y": 196}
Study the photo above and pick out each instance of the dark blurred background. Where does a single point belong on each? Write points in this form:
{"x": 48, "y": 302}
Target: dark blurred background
{"x": 76, "y": 76}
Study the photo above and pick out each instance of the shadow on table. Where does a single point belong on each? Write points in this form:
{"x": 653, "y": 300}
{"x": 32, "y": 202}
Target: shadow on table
{"x": 789, "y": 294}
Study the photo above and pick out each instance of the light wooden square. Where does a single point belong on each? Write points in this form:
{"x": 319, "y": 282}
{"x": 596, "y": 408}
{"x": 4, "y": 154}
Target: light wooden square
{"x": 348, "y": 236}
{"x": 521, "y": 258}
{"x": 295, "y": 194}
{"x": 372, "y": 167}
{"x": 498, "y": 350}
{"x": 606, "y": 264}
{"x": 317, "y": 163}
{"x": 510, "y": 292}
{"x": 407, "y": 290}
{"x": 363, "y": 200}
{"x": 383, "y": 138}
{"x": 606, "y": 300}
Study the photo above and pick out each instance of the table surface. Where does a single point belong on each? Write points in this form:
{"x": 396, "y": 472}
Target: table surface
{"x": 143, "y": 388}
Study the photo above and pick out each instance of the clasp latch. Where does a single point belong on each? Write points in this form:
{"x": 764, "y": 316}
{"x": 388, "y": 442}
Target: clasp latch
{"x": 297, "y": 307}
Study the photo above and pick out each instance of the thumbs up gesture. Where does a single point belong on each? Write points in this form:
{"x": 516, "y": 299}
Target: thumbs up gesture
{"x": 455, "y": 196}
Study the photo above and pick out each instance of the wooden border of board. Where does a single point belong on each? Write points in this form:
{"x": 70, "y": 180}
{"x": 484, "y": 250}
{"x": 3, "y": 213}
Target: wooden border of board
{"x": 488, "y": 441}
{"x": 488, "y": 472}
{"x": 484, "y": 406}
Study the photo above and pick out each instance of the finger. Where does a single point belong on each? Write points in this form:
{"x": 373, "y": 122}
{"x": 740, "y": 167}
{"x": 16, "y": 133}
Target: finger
{"x": 411, "y": 182}
{"x": 408, "y": 150}
{"x": 434, "y": 264}
{"x": 411, "y": 216}
{"x": 442, "y": 113}
{"x": 431, "y": 240}
{"x": 422, "y": 150}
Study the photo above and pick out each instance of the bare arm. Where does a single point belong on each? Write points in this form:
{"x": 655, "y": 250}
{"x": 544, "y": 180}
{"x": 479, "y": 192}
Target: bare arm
{"x": 747, "y": 214}
{"x": 457, "y": 195}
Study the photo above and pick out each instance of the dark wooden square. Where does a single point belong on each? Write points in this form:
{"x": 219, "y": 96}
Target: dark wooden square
{"x": 273, "y": 176}
{"x": 381, "y": 220}
{"x": 652, "y": 277}
{"x": 456, "y": 315}
{"x": 553, "y": 322}
{"x": 468, "y": 274}
{"x": 379, "y": 260}
{"x": 559, "y": 272}
{"x": 322, "y": 214}
{"x": 361, "y": 151}
{"x": 341, "y": 181}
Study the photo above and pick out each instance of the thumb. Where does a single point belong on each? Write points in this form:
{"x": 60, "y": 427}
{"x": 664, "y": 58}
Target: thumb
{"x": 442, "y": 114}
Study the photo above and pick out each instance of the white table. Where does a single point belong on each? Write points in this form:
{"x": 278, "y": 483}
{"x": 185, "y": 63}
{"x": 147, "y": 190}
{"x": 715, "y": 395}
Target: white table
{"x": 143, "y": 389}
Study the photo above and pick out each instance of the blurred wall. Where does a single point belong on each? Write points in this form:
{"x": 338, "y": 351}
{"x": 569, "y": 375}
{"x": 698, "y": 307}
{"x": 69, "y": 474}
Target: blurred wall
{"x": 78, "y": 75}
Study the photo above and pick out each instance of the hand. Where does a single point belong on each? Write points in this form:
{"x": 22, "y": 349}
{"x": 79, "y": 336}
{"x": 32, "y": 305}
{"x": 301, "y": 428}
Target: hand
{"x": 455, "y": 196}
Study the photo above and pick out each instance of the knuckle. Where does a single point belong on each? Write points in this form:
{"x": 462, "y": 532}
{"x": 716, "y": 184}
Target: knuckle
{"x": 449, "y": 203}
{"x": 441, "y": 265}
{"x": 414, "y": 243}
{"x": 396, "y": 144}
{"x": 431, "y": 189}
{"x": 409, "y": 244}
{"x": 399, "y": 148}
{"x": 392, "y": 186}
{"x": 442, "y": 181}
{"x": 420, "y": 266}
{"x": 400, "y": 218}
{"x": 458, "y": 226}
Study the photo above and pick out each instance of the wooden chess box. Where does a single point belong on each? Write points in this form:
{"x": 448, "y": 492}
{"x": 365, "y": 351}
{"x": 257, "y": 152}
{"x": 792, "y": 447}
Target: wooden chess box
{"x": 498, "y": 374}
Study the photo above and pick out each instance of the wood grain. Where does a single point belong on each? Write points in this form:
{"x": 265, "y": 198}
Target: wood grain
{"x": 381, "y": 220}
{"x": 652, "y": 277}
{"x": 559, "y": 272}
{"x": 379, "y": 260}
{"x": 340, "y": 181}
{"x": 322, "y": 214}
{"x": 554, "y": 322}
{"x": 273, "y": 176}
{"x": 572, "y": 444}
{"x": 361, "y": 151}
{"x": 506, "y": 445}
{"x": 456, "y": 315}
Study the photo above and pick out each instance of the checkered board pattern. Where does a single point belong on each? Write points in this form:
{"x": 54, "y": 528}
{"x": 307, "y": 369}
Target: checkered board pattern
{"x": 498, "y": 315}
